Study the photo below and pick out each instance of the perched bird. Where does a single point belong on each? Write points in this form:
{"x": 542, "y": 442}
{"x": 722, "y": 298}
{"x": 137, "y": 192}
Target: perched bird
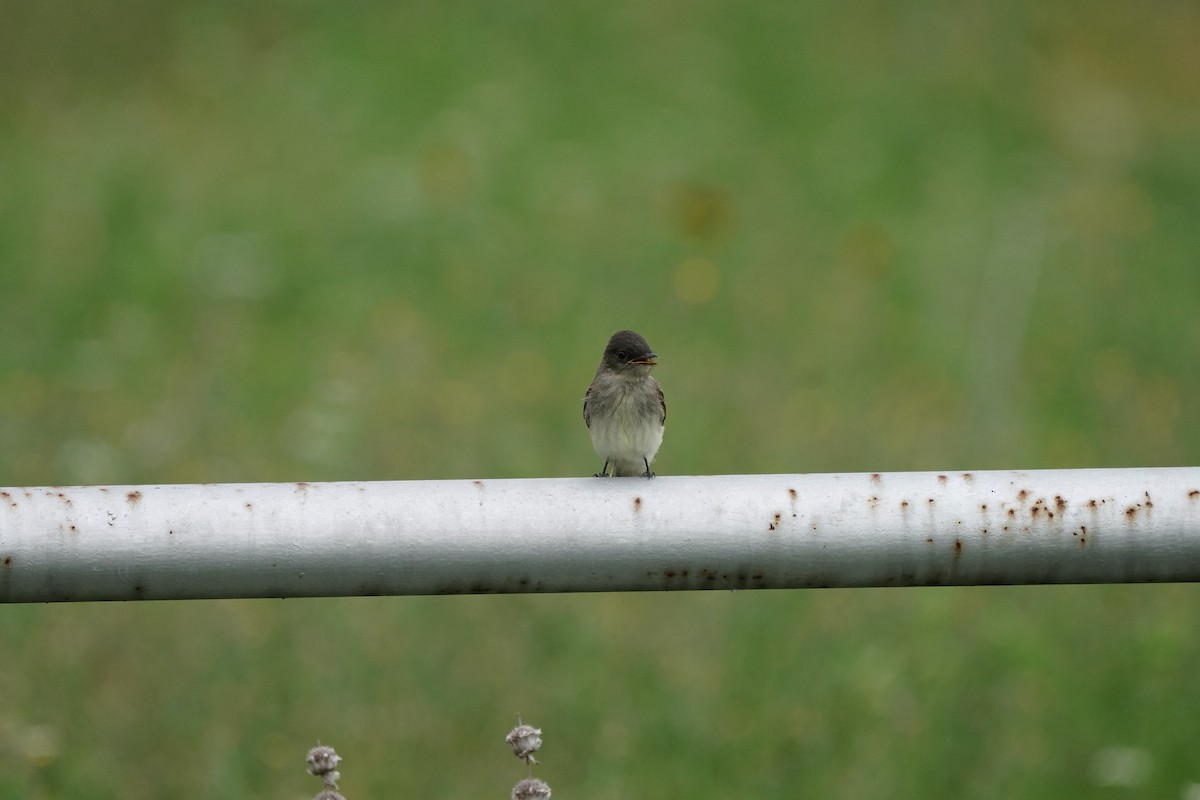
{"x": 624, "y": 408}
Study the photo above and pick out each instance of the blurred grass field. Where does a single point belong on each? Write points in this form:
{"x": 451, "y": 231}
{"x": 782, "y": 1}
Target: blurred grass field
{"x": 388, "y": 241}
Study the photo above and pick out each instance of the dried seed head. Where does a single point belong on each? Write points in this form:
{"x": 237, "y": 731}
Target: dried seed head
{"x": 531, "y": 789}
{"x": 322, "y": 762}
{"x": 525, "y": 740}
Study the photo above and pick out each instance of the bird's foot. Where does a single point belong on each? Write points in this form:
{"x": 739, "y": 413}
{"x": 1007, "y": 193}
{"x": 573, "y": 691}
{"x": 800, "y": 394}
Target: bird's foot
{"x": 648, "y": 473}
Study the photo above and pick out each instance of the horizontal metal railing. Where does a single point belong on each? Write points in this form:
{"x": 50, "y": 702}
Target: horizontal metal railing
{"x": 592, "y": 535}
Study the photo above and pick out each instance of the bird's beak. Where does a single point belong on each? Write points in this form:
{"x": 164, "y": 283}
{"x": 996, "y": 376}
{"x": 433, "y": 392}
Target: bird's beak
{"x": 647, "y": 360}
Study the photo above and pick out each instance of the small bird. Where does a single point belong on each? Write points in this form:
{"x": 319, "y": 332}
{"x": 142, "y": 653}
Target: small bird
{"x": 624, "y": 408}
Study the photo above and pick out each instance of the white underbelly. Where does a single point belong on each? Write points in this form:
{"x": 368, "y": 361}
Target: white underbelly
{"x": 625, "y": 438}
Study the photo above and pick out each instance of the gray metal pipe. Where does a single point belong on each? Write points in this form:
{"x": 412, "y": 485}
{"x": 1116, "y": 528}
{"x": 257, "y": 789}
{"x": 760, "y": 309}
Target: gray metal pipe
{"x": 591, "y": 534}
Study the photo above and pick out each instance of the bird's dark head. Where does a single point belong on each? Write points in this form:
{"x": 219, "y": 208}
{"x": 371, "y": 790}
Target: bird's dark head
{"x": 628, "y": 353}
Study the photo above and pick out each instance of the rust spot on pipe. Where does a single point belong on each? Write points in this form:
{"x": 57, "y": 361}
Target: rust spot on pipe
{"x": 941, "y": 478}
{"x": 1131, "y": 512}
{"x": 1093, "y": 504}
{"x": 1012, "y": 512}
{"x": 931, "y": 501}
{"x": 1148, "y": 503}
{"x": 302, "y": 485}
{"x": 478, "y": 484}
{"x": 1082, "y": 535}
{"x": 875, "y": 476}
{"x": 778, "y": 517}
{"x": 637, "y": 504}
{"x": 8, "y": 499}
{"x": 958, "y": 547}
{"x": 1023, "y": 495}
{"x": 983, "y": 507}
{"x": 873, "y": 501}
{"x": 904, "y": 505}
{"x": 968, "y": 477}
{"x": 1060, "y": 503}
{"x": 793, "y": 494}
{"x": 929, "y": 540}
{"x": 134, "y": 497}
{"x": 249, "y": 506}
{"x": 8, "y": 561}
{"x": 1194, "y": 494}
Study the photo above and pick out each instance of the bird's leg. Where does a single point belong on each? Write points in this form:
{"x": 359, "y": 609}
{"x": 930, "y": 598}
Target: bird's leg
{"x": 647, "y": 473}
{"x": 603, "y": 473}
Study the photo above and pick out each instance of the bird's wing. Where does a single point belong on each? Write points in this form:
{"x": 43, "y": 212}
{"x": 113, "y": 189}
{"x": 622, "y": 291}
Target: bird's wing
{"x": 587, "y": 414}
{"x": 662, "y": 405}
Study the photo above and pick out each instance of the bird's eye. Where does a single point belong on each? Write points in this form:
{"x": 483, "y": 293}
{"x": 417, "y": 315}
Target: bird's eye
{"x": 621, "y": 354}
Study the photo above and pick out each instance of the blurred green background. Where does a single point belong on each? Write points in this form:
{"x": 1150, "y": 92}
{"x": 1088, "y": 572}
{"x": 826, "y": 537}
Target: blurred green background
{"x": 298, "y": 241}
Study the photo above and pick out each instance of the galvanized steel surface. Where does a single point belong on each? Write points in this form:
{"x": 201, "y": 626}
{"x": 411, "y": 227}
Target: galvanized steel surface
{"x": 592, "y": 534}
